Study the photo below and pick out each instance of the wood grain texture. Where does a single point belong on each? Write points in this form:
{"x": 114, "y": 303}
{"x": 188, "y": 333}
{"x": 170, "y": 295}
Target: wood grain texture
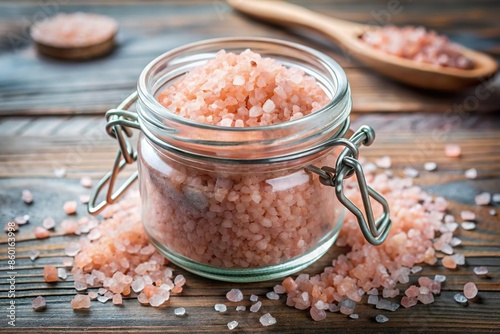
{"x": 149, "y": 29}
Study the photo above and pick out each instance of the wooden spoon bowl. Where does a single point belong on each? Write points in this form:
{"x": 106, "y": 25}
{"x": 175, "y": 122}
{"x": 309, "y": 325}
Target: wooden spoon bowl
{"x": 347, "y": 35}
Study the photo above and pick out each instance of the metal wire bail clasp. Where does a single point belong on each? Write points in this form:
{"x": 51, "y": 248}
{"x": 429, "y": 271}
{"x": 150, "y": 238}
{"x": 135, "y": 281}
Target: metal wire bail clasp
{"x": 375, "y": 231}
{"x": 120, "y": 120}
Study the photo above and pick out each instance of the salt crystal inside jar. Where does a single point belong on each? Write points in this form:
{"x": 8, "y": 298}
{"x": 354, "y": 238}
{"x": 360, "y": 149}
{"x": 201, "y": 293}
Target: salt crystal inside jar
{"x": 250, "y": 198}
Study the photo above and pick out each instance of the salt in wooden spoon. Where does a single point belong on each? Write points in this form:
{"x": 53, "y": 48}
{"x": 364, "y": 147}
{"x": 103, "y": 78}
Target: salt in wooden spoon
{"x": 347, "y": 35}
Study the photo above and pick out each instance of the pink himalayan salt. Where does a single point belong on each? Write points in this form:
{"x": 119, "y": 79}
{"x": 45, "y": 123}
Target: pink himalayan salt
{"x": 49, "y": 223}
{"x": 84, "y": 199}
{"x": 39, "y": 304}
{"x": 408, "y": 302}
{"x": 417, "y": 44}
{"x": 80, "y": 302}
{"x": 93, "y": 295}
{"x": 50, "y": 274}
{"x": 69, "y": 226}
{"x": 483, "y": 199}
{"x": 67, "y": 262}
{"x": 117, "y": 299}
{"x": 234, "y": 295}
{"x": 41, "y": 233}
{"x": 471, "y": 173}
{"x": 267, "y": 320}
{"x": 272, "y": 295}
{"x": 27, "y": 197}
{"x": 279, "y": 289}
{"x": 408, "y": 243}
{"x": 317, "y": 314}
{"x": 470, "y": 290}
{"x": 384, "y": 162}
{"x": 452, "y": 150}
{"x": 70, "y": 207}
{"x": 256, "y": 307}
{"x": 467, "y": 215}
{"x": 22, "y": 220}
{"x": 74, "y": 30}
{"x": 448, "y": 262}
{"x": 122, "y": 258}
{"x": 481, "y": 271}
{"x": 245, "y": 90}
{"x": 86, "y": 182}
{"x": 72, "y": 248}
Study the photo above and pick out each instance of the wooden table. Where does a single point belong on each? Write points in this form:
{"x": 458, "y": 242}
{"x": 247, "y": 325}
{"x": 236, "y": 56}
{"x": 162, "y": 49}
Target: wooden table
{"x": 51, "y": 116}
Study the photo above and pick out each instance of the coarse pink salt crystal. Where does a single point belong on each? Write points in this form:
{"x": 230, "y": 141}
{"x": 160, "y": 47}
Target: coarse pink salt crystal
{"x": 408, "y": 302}
{"x": 256, "y": 307}
{"x": 49, "y": 223}
{"x": 272, "y": 295}
{"x": 69, "y": 226}
{"x": 452, "y": 150}
{"x": 143, "y": 299}
{"x": 22, "y": 220}
{"x": 468, "y": 226}
{"x": 234, "y": 295}
{"x": 93, "y": 295}
{"x": 412, "y": 291}
{"x": 39, "y": 304}
{"x": 84, "y": 199}
{"x": 483, "y": 199}
{"x": 27, "y": 197}
{"x": 471, "y": 173}
{"x": 470, "y": 290}
{"x": 481, "y": 271}
{"x": 279, "y": 289}
{"x": 80, "y": 302}
{"x": 158, "y": 299}
{"x": 430, "y": 166}
{"x": 67, "y": 262}
{"x": 70, "y": 207}
{"x": 448, "y": 262}
{"x": 72, "y": 248}
{"x": 467, "y": 215}
{"x": 254, "y": 298}
{"x": 34, "y": 253}
{"x": 220, "y": 308}
{"x": 427, "y": 298}
{"x": 289, "y": 284}
{"x": 86, "y": 182}
{"x": 117, "y": 299}
{"x": 50, "y": 274}
{"x": 267, "y": 320}
{"x": 179, "y": 280}
{"x": 62, "y": 273}
{"x": 317, "y": 314}
{"x": 41, "y": 233}
{"x": 384, "y": 162}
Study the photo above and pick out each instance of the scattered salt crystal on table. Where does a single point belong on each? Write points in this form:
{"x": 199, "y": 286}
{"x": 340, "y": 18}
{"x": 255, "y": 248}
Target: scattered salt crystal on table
{"x": 117, "y": 299}
{"x": 384, "y": 162}
{"x": 449, "y": 262}
{"x": 41, "y": 233}
{"x": 468, "y": 226}
{"x": 483, "y": 199}
{"x": 467, "y": 215}
{"x": 372, "y": 300}
{"x": 254, "y": 298}
{"x": 256, "y": 307}
{"x": 49, "y": 223}
{"x": 234, "y": 295}
{"x": 22, "y": 220}
{"x": 471, "y": 173}
{"x": 158, "y": 299}
{"x": 34, "y": 253}
{"x": 240, "y": 308}
{"x": 410, "y": 172}
{"x": 493, "y": 212}
{"x": 84, "y": 199}
{"x": 267, "y": 320}
{"x": 232, "y": 325}
{"x": 72, "y": 248}
{"x": 495, "y": 198}
{"x": 86, "y": 182}
{"x": 408, "y": 302}
{"x": 455, "y": 242}
{"x": 460, "y": 298}
{"x": 470, "y": 290}
{"x": 59, "y": 172}
{"x": 69, "y": 226}
{"x": 459, "y": 259}
{"x": 27, "y": 197}
{"x": 481, "y": 271}
{"x": 447, "y": 249}
{"x": 430, "y": 166}
{"x": 354, "y": 316}
{"x": 80, "y": 286}
{"x": 416, "y": 269}
{"x": 143, "y": 299}
{"x": 385, "y": 304}
{"x": 380, "y": 318}
{"x": 373, "y": 291}
{"x": 279, "y": 289}
{"x": 50, "y": 274}
{"x": 103, "y": 299}
{"x": 333, "y": 308}
{"x": 272, "y": 295}
{"x": 39, "y": 304}
{"x": 80, "y": 302}
{"x": 440, "y": 278}
{"x": 93, "y": 295}
{"x": 179, "y": 280}
{"x": 70, "y": 207}
{"x": 61, "y": 273}
{"x": 68, "y": 262}
{"x": 220, "y": 308}
{"x": 452, "y": 150}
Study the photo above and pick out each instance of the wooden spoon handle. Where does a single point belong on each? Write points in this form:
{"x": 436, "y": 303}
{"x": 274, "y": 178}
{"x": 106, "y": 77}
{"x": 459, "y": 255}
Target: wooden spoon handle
{"x": 279, "y": 12}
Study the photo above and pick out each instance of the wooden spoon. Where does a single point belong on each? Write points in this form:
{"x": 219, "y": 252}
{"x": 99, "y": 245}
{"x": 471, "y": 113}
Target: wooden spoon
{"x": 347, "y": 35}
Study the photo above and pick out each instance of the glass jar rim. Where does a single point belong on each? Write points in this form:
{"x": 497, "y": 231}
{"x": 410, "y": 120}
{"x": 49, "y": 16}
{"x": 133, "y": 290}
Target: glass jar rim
{"x": 342, "y": 91}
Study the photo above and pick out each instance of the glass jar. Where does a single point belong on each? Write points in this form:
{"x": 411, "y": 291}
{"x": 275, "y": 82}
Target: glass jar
{"x": 242, "y": 204}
